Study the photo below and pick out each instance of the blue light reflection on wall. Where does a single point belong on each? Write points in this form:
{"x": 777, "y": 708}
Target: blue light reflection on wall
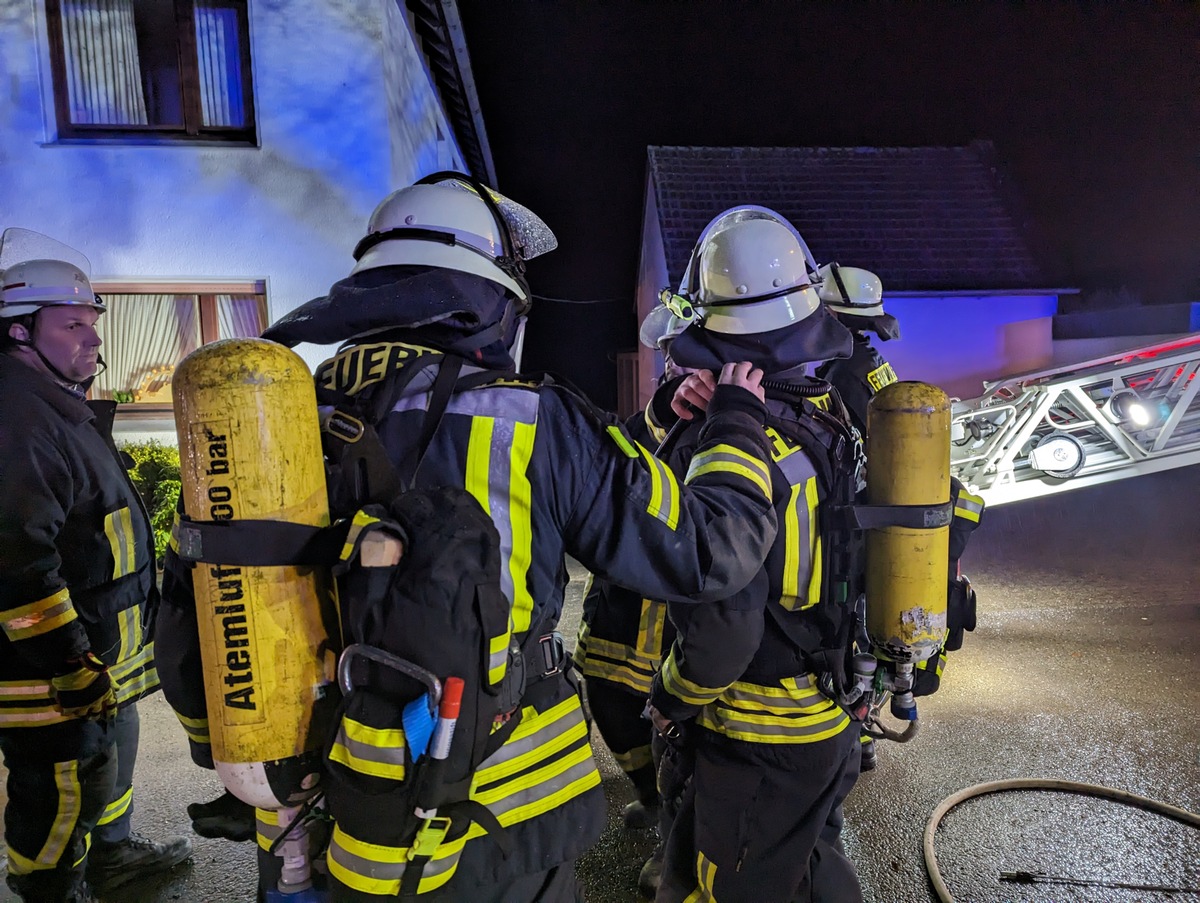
{"x": 345, "y": 111}
{"x": 959, "y": 342}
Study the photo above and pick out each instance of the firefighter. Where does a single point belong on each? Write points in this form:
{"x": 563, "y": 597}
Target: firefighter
{"x": 622, "y": 636}
{"x": 77, "y": 594}
{"x": 855, "y": 297}
{"x": 439, "y": 286}
{"x": 772, "y": 757}
{"x": 622, "y": 639}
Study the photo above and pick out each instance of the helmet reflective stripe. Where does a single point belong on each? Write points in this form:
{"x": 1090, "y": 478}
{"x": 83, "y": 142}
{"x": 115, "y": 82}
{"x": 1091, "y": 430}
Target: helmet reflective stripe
{"x": 744, "y": 319}
{"x": 851, "y": 290}
{"x": 752, "y": 272}
{"x": 33, "y": 284}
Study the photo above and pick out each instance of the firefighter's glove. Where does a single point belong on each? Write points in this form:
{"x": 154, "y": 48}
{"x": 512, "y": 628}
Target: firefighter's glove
{"x": 675, "y": 767}
{"x": 85, "y": 691}
{"x": 671, "y": 732}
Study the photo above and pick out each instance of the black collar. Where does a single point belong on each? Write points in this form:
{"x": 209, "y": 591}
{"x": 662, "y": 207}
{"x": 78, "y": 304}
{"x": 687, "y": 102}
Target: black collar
{"x": 19, "y": 379}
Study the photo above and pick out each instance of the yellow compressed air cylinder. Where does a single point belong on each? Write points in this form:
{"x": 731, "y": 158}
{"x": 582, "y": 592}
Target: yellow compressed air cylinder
{"x": 250, "y": 448}
{"x": 908, "y": 463}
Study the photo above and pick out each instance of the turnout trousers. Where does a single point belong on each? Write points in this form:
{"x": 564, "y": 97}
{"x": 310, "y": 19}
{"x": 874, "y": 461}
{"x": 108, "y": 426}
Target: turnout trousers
{"x": 761, "y": 823}
{"x": 62, "y": 782}
{"x": 618, "y": 717}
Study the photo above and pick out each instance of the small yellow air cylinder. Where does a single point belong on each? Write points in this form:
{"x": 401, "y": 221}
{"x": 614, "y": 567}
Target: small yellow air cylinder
{"x": 908, "y": 463}
{"x": 250, "y": 448}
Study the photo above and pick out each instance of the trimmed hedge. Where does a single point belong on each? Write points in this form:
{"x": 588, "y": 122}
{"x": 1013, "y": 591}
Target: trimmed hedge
{"x": 156, "y": 476}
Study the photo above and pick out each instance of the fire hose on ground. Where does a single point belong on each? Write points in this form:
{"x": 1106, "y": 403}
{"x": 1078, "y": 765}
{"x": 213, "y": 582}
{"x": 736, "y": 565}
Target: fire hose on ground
{"x": 1120, "y": 796}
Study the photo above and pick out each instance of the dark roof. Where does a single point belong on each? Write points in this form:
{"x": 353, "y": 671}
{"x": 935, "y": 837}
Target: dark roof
{"x": 922, "y": 218}
{"x": 440, "y": 30}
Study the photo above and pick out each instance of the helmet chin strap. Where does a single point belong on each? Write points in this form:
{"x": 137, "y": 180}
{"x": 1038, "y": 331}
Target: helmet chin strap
{"x": 517, "y": 349}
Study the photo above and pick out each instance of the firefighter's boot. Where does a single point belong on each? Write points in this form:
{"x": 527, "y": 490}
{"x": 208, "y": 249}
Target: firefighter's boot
{"x": 113, "y": 865}
{"x": 225, "y": 817}
{"x": 642, "y": 812}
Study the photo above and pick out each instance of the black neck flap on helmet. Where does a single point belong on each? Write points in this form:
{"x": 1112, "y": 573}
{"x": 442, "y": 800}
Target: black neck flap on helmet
{"x": 818, "y": 337}
{"x": 883, "y": 325}
{"x": 450, "y": 310}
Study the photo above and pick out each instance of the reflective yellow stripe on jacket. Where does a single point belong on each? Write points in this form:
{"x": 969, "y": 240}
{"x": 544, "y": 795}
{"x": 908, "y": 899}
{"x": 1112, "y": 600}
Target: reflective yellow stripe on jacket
{"x": 545, "y": 763}
{"x": 118, "y": 527}
{"x": 664, "y": 490}
{"x": 134, "y": 674}
{"x": 369, "y": 750}
{"x": 29, "y": 703}
{"x": 729, "y": 459}
{"x": 968, "y": 506}
{"x": 196, "y": 729}
{"x": 267, "y": 829}
{"x": 800, "y": 584}
{"x": 793, "y": 711}
{"x": 630, "y": 666}
{"x": 498, "y": 456}
{"x": 37, "y": 618}
{"x": 935, "y": 663}
{"x": 500, "y": 447}
{"x": 683, "y": 689}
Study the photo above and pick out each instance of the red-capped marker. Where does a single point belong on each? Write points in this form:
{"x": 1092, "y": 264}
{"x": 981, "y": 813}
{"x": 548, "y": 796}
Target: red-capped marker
{"x": 448, "y": 709}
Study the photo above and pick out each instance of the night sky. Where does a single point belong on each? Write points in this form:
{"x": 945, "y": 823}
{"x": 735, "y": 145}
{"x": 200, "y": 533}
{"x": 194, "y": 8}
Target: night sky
{"x": 1094, "y": 110}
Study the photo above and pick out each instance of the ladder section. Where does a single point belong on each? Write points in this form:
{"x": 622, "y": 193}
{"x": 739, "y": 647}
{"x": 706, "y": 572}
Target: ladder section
{"x": 1102, "y": 420}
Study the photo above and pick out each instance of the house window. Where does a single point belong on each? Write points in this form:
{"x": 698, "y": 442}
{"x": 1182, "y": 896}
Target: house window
{"x": 147, "y": 330}
{"x": 157, "y": 69}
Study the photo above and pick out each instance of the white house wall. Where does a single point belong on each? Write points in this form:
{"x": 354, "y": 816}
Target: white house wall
{"x": 345, "y": 112}
{"x": 958, "y": 342}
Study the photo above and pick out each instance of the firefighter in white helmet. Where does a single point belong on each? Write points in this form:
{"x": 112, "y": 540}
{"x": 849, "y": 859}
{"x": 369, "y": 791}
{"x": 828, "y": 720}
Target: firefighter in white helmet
{"x": 432, "y": 316}
{"x": 77, "y": 589}
{"x": 745, "y": 691}
{"x": 855, "y": 297}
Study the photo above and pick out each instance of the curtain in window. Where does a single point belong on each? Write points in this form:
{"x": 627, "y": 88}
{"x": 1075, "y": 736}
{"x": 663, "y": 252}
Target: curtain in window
{"x": 239, "y": 316}
{"x": 104, "y": 80}
{"x": 220, "y": 60}
{"x": 145, "y": 336}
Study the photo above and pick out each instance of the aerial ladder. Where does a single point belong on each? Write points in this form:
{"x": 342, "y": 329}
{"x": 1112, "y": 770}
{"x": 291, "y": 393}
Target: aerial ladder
{"x": 1132, "y": 413}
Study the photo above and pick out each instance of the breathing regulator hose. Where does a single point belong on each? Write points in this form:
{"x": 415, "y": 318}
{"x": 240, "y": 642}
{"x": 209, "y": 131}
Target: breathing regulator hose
{"x": 880, "y": 731}
{"x": 1120, "y": 796}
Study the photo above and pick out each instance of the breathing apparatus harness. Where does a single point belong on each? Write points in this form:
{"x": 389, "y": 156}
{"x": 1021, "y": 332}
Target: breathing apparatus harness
{"x": 846, "y": 673}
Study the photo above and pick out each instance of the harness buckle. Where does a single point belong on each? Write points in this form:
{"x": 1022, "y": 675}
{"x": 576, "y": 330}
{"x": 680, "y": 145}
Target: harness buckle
{"x": 429, "y": 837}
{"x": 554, "y": 653}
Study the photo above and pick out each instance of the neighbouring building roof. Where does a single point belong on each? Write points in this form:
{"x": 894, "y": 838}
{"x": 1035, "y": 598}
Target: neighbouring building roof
{"x": 923, "y": 218}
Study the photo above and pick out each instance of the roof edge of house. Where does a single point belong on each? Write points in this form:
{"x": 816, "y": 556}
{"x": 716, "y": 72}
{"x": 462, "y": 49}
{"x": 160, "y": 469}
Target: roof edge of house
{"x": 975, "y": 292}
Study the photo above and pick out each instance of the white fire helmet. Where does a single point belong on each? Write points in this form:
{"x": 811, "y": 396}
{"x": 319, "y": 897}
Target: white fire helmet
{"x": 445, "y": 221}
{"x": 851, "y": 290}
{"x": 750, "y": 272}
{"x": 38, "y": 272}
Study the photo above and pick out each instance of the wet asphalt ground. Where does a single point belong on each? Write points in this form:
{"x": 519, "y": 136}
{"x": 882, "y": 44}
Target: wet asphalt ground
{"x": 1084, "y": 667}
